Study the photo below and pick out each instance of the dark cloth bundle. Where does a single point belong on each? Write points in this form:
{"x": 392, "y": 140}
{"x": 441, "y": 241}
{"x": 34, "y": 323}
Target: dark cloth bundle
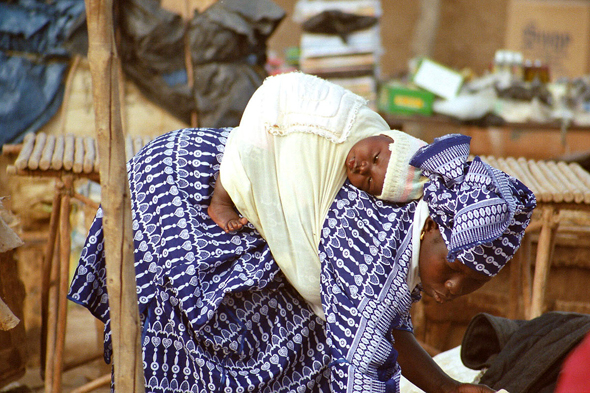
{"x": 522, "y": 356}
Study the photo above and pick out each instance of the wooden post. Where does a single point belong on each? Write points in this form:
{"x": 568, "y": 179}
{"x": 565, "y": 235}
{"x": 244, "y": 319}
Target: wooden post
{"x": 62, "y": 285}
{"x": 543, "y": 260}
{"x": 121, "y": 286}
{"x": 46, "y": 278}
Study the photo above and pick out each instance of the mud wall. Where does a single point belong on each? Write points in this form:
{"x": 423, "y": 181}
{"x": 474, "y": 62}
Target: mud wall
{"x": 467, "y": 35}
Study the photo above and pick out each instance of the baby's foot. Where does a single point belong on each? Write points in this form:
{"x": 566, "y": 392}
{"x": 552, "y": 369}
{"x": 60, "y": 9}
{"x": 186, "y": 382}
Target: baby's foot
{"x": 226, "y": 217}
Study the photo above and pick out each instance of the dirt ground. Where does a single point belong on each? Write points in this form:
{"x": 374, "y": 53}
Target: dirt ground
{"x": 81, "y": 338}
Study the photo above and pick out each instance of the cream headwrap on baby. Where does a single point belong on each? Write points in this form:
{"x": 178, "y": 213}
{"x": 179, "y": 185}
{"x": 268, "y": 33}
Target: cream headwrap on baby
{"x": 403, "y": 182}
{"x": 284, "y": 165}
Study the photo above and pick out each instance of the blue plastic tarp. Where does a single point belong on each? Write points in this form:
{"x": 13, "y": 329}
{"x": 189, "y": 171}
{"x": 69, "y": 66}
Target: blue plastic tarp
{"x": 33, "y": 62}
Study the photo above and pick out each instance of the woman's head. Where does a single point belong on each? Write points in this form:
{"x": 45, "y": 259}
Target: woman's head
{"x": 481, "y": 212}
{"x": 379, "y": 165}
{"x": 442, "y": 279}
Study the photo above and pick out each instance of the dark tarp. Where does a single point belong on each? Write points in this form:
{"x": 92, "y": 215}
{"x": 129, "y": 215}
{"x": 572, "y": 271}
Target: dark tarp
{"x": 30, "y": 94}
{"x": 227, "y": 41}
{"x": 228, "y": 47}
{"x": 33, "y": 61}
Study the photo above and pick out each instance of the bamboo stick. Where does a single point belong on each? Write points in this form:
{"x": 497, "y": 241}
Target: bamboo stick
{"x": 10, "y": 150}
{"x": 539, "y": 174}
{"x": 35, "y": 157}
{"x": 58, "y": 153}
{"x": 568, "y": 179}
{"x": 582, "y": 175}
{"x": 78, "y": 155}
{"x": 561, "y": 186}
{"x": 68, "y": 159}
{"x": 544, "y": 194}
{"x": 23, "y": 157}
{"x": 503, "y": 165}
{"x": 104, "y": 63}
{"x": 89, "y": 155}
{"x": 576, "y": 181}
{"x": 523, "y": 175}
{"x": 47, "y": 153}
{"x": 524, "y": 166}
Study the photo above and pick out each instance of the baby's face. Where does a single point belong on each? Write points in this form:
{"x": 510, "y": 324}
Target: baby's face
{"x": 367, "y": 162}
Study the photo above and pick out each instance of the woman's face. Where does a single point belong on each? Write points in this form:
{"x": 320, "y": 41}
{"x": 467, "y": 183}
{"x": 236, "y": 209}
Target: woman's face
{"x": 441, "y": 279}
{"x": 367, "y": 162}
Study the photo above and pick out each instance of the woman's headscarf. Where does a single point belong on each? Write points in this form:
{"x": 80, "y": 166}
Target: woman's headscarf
{"x": 481, "y": 211}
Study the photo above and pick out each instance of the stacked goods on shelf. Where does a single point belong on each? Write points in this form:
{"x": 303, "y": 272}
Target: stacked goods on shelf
{"x": 341, "y": 42}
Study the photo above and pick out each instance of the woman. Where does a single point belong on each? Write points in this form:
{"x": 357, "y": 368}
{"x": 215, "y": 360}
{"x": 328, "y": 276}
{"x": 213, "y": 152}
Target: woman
{"x": 218, "y": 314}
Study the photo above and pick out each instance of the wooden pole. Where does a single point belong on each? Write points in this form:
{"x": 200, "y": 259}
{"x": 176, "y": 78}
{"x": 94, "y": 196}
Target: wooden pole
{"x": 543, "y": 261}
{"x": 121, "y": 286}
{"x": 62, "y": 285}
{"x": 46, "y": 278}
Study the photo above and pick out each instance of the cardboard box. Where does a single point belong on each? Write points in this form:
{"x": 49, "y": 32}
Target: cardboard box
{"x": 438, "y": 79}
{"x": 397, "y": 98}
{"x": 557, "y": 32}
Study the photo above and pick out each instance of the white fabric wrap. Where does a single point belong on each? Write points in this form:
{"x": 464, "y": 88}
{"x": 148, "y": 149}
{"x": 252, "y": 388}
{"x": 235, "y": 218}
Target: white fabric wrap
{"x": 284, "y": 165}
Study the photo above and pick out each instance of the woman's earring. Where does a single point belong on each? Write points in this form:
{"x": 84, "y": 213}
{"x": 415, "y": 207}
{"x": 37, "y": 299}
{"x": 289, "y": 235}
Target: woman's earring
{"x": 422, "y": 235}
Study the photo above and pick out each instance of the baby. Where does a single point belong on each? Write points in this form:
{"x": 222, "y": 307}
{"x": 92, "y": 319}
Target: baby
{"x": 298, "y": 140}
{"x": 367, "y": 168}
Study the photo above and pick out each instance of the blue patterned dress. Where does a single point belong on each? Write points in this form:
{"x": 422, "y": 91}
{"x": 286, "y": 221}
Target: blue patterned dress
{"x": 218, "y": 315}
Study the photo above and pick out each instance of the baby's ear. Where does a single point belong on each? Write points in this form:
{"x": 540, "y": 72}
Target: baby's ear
{"x": 388, "y": 137}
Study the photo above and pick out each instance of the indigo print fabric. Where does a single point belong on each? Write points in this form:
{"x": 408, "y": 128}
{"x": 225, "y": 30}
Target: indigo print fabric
{"x": 482, "y": 212}
{"x": 365, "y": 253}
{"x": 217, "y": 313}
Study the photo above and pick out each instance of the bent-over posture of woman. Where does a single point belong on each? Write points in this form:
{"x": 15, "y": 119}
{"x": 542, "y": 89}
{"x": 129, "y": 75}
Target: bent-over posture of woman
{"x": 218, "y": 315}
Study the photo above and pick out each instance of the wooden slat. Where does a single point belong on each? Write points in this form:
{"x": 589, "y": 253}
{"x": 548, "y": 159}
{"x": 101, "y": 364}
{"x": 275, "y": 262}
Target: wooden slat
{"x": 78, "y": 155}
{"x": 68, "y": 157}
{"x": 559, "y": 185}
{"x": 23, "y": 158}
{"x": 89, "y": 154}
{"x": 58, "y": 153}
{"x": 35, "y": 157}
{"x": 576, "y": 179}
{"x": 554, "y": 193}
{"x": 570, "y": 182}
{"x": 47, "y": 153}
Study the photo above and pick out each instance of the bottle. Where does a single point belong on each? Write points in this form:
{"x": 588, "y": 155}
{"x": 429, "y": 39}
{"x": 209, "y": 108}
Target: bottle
{"x": 517, "y": 67}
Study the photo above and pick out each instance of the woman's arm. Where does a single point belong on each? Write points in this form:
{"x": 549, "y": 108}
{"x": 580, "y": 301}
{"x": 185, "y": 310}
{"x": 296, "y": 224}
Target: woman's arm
{"x": 420, "y": 369}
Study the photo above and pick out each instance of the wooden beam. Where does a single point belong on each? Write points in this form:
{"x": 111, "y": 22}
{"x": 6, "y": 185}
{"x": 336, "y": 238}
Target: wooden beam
{"x": 116, "y": 202}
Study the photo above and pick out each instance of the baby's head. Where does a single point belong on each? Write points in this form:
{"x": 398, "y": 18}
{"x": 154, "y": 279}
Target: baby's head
{"x": 379, "y": 165}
